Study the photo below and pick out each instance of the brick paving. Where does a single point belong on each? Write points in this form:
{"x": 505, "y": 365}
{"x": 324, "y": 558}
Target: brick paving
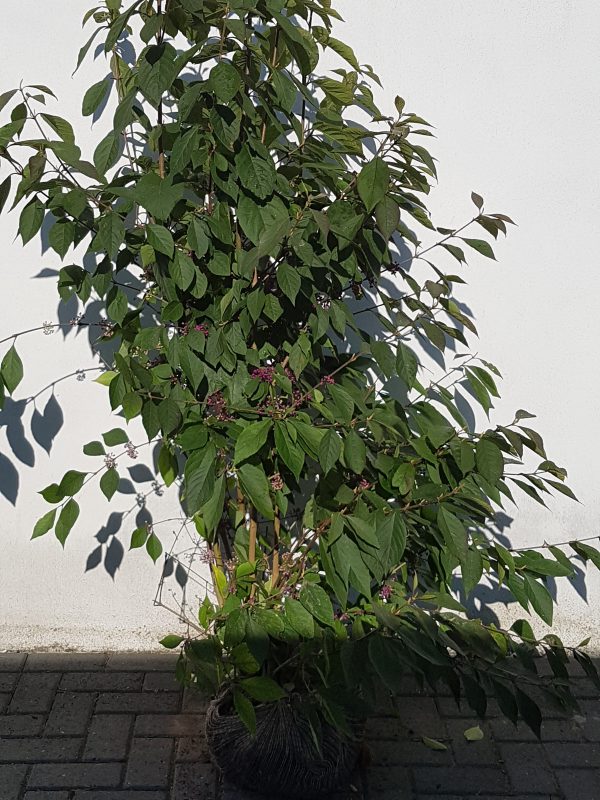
{"x": 118, "y": 727}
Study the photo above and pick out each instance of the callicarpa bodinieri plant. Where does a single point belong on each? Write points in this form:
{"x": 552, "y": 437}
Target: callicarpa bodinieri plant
{"x": 258, "y": 240}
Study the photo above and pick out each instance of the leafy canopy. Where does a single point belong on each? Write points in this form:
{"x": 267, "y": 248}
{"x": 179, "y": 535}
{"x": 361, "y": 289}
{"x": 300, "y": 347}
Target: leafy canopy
{"x": 256, "y": 228}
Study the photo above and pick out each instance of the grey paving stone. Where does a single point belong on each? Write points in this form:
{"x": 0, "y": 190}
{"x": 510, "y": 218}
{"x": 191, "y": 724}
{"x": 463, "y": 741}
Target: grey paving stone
{"x": 148, "y": 764}
{"x": 465, "y": 780}
{"x": 102, "y": 681}
{"x": 406, "y": 753}
{"x": 34, "y": 693}
{"x": 419, "y": 715}
{"x": 579, "y": 784}
{"x": 137, "y": 702}
{"x": 194, "y": 702}
{"x": 22, "y": 724}
{"x": 589, "y": 721}
{"x": 13, "y": 751}
{"x": 5, "y": 698}
{"x": 448, "y": 708}
{"x": 70, "y": 714}
{"x": 511, "y": 796}
{"x": 108, "y": 737}
{"x": 8, "y": 681}
{"x": 194, "y": 782}
{"x": 192, "y": 748}
{"x": 12, "y": 662}
{"x": 528, "y": 767}
{"x": 465, "y": 752}
{"x": 553, "y": 730}
{"x": 65, "y": 662}
{"x": 573, "y": 754}
{"x": 169, "y": 725}
{"x": 161, "y": 682}
{"x": 123, "y": 794}
{"x": 391, "y": 779}
{"x": 43, "y": 795}
{"x": 12, "y": 777}
{"x": 142, "y": 662}
{"x": 75, "y": 776}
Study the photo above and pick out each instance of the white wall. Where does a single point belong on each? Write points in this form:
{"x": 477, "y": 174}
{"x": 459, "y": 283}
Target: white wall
{"x": 512, "y": 88}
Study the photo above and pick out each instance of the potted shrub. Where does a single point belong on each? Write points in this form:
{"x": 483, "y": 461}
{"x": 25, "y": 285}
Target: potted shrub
{"x": 255, "y": 227}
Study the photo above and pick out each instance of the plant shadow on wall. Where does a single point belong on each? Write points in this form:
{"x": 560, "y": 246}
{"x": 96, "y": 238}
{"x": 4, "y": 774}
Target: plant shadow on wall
{"x": 260, "y": 288}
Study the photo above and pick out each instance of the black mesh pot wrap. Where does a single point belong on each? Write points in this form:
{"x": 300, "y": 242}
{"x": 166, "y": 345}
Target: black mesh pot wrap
{"x": 281, "y": 759}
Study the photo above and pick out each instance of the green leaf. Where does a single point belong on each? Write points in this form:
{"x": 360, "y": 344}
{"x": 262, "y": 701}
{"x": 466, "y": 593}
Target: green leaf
{"x": 245, "y": 710}
{"x": 490, "y": 462}
{"x": 235, "y": 628}
{"x": 117, "y": 305}
{"x": 212, "y": 511}
{"x": 225, "y": 81}
{"x": 387, "y": 216}
{"x": 355, "y": 452}
{"x": 111, "y": 233}
{"x": 52, "y": 493}
{"x": 251, "y": 439}
{"x": 4, "y": 191}
{"x": 106, "y": 378}
{"x": 471, "y": 569}
{"x": 199, "y": 478}
{"x": 299, "y": 618}
{"x": 433, "y": 744}
{"x": 256, "y": 174}
{"x": 384, "y": 355}
{"x": 157, "y": 69}
{"x": 288, "y": 281}
{"x": 454, "y": 533}
{"x": 11, "y": 370}
{"x": 72, "y": 482}
{"x": 44, "y": 524}
{"x": 61, "y": 237}
{"x": 345, "y": 51}
{"x": 288, "y": 450}
{"x": 157, "y": 195}
{"x": 540, "y": 599}
{"x": 529, "y": 711}
{"x": 161, "y": 240}
{"x": 172, "y": 641}
{"x": 183, "y": 150}
{"x": 330, "y": 450}
{"x": 109, "y": 483}
{"x": 474, "y": 734}
{"x": 94, "y": 96}
{"x": 169, "y": 415}
{"x": 586, "y": 552}
{"x": 404, "y": 478}
{"x": 406, "y": 364}
{"x": 114, "y": 437}
{"x": 269, "y": 620}
{"x": 139, "y": 537}
{"x": 154, "y": 547}
{"x": 67, "y": 518}
{"x": 343, "y": 402}
{"x": 167, "y": 465}
{"x": 316, "y": 601}
{"x": 132, "y": 405}
{"x": 481, "y": 246}
{"x": 373, "y": 182}
{"x": 31, "y": 220}
{"x": 183, "y": 270}
{"x": 263, "y": 689}
{"x": 107, "y": 153}
{"x": 255, "y": 487}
